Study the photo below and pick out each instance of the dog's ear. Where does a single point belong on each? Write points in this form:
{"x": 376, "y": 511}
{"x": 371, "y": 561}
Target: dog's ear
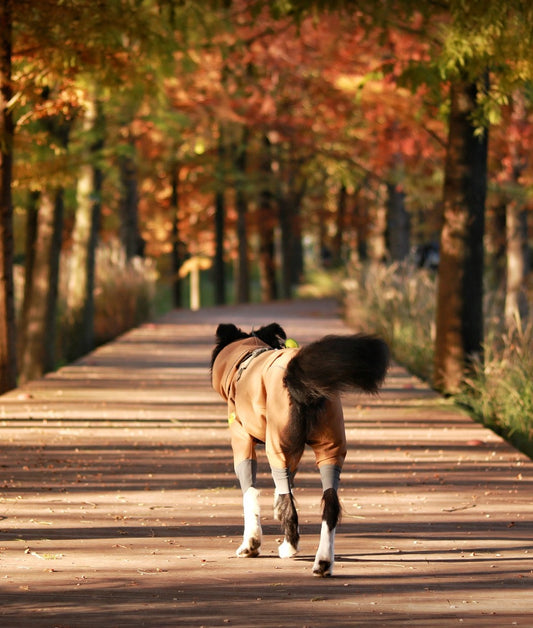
{"x": 228, "y": 332}
{"x": 273, "y": 334}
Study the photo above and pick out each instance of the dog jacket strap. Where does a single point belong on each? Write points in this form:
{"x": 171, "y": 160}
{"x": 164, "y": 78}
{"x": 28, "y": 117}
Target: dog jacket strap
{"x": 245, "y": 363}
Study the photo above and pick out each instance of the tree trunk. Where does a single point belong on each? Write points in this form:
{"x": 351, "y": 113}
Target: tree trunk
{"x": 32, "y": 213}
{"x": 398, "y": 224}
{"x": 517, "y": 269}
{"x": 338, "y": 240}
{"x": 40, "y": 296}
{"x": 243, "y": 269}
{"x": 44, "y": 237}
{"x": 50, "y": 331}
{"x": 516, "y": 303}
{"x": 460, "y": 291}
{"x": 177, "y": 253}
{"x": 290, "y": 193}
{"x": 8, "y": 350}
{"x": 496, "y": 248}
{"x": 285, "y": 222}
{"x": 80, "y": 299}
{"x": 267, "y": 223}
{"x": 219, "y": 271}
{"x": 129, "y": 205}
{"x": 376, "y": 236}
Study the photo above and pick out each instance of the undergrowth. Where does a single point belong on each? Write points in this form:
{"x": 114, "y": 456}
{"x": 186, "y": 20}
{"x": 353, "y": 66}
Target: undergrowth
{"x": 399, "y": 302}
{"x": 124, "y": 294}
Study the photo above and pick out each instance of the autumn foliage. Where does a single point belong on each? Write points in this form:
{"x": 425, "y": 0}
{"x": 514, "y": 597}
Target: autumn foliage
{"x": 267, "y": 141}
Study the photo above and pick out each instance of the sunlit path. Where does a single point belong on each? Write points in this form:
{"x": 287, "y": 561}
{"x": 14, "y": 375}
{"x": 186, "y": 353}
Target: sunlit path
{"x": 119, "y": 506}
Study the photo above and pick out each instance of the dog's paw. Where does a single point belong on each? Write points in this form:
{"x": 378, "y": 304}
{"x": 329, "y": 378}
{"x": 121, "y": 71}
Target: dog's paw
{"x": 249, "y": 548}
{"x": 323, "y": 568}
{"x": 286, "y": 550}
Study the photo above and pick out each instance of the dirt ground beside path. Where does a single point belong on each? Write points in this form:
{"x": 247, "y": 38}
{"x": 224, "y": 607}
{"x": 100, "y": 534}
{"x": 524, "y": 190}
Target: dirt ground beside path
{"x": 119, "y": 506}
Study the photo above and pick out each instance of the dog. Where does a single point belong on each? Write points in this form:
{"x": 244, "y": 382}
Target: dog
{"x": 288, "y": 397}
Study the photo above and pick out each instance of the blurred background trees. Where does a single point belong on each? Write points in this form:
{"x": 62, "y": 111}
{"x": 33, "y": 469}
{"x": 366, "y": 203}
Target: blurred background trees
{"x": 273, "y": 139}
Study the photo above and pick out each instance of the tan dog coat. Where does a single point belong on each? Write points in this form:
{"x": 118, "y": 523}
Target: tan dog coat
{"x": 249, "y": 375}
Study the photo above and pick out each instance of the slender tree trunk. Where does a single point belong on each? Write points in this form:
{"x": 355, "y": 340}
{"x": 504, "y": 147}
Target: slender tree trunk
{"x": 38, "y": 335}
{"x": 243, "y": 269}
{"x": 8, "y": 349}
{"x": 44, "y": 237}
{"x": 296, "y": 199}
{"x": 460, "y": 291}
{"x": 496, "y": 249}
{"x": 376, "y": 238}
{"x": 290, "y": 194}
{"x": 516, "y": 302}
{"x": 291, "y": 244}
{"x": 80, "y": 299}
{"x": 32, "y": 212}
{"x": 219, "y": 271}
{"x": 129, "y": 204}
{"x": 267, "y": 223}
{"x": 340, "y": 231}
{"x": 177, "y": 255}
{"x": 285, "y": 222}
{"x": 398, "y": 224}
{"x": 518, "y": 262}
{"x": 50, "y": 330}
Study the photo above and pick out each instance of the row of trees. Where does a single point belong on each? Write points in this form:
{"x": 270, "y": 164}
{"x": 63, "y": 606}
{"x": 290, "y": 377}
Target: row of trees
{"x": 233, "y": 130}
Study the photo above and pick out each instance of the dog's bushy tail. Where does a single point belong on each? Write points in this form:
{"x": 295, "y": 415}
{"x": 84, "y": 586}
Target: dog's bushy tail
{"x": 325, "y": 368}
{"x": 335, "y": 364}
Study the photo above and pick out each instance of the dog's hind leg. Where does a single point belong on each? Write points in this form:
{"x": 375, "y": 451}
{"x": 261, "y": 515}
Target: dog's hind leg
{"x": 285, "y": 512}
{"x": 325, "y": 556}
{"x": 331, "y": 510}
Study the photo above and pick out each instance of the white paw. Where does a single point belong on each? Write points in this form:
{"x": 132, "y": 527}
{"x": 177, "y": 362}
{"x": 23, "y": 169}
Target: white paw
{"x": 286, "y": 550}
{"x": 323, "y": 568}
{"x": 249, "y": 548}
{"x": 252, "y": 525}
{"x": 325, "y": 556}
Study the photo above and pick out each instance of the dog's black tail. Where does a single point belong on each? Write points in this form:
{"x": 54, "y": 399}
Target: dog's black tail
{"x": 325, "y": 368}
{"x": 335, "y": 364}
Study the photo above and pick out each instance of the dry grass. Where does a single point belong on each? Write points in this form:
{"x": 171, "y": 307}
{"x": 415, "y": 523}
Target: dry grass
{"x": 399, "y": 302}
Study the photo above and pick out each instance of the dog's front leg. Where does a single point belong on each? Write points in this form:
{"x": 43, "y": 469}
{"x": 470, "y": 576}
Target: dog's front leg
{"x": 251, "y": 541}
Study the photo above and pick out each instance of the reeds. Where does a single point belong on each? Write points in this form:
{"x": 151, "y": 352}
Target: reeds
{"x": 124, "y": 292}
{"x": 124, "y": 297}
{"x": 399, "y": 302}
{"x": 499, "y": 391}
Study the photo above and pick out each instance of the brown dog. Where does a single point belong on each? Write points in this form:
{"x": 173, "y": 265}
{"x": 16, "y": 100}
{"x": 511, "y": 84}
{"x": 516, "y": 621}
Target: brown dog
{"x": 287, "y": 398}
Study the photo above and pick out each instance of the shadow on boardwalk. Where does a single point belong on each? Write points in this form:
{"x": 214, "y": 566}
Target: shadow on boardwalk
{"x": 119, "y": 505}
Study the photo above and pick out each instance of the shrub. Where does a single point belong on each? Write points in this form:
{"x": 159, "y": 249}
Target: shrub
{"x": 124, "y": 292}
{"x": 399, "y": 302}
{"x": 500, "y": 391}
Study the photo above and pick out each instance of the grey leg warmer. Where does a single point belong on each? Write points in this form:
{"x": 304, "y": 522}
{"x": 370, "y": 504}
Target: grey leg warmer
{"x": 282, "y": 480}
{"x": 246, "y": 472}
{"x": 330, "y": 476}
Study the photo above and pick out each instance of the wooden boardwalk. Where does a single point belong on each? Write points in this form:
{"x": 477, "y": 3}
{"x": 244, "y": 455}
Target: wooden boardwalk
{"x": 119, "y": 507}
